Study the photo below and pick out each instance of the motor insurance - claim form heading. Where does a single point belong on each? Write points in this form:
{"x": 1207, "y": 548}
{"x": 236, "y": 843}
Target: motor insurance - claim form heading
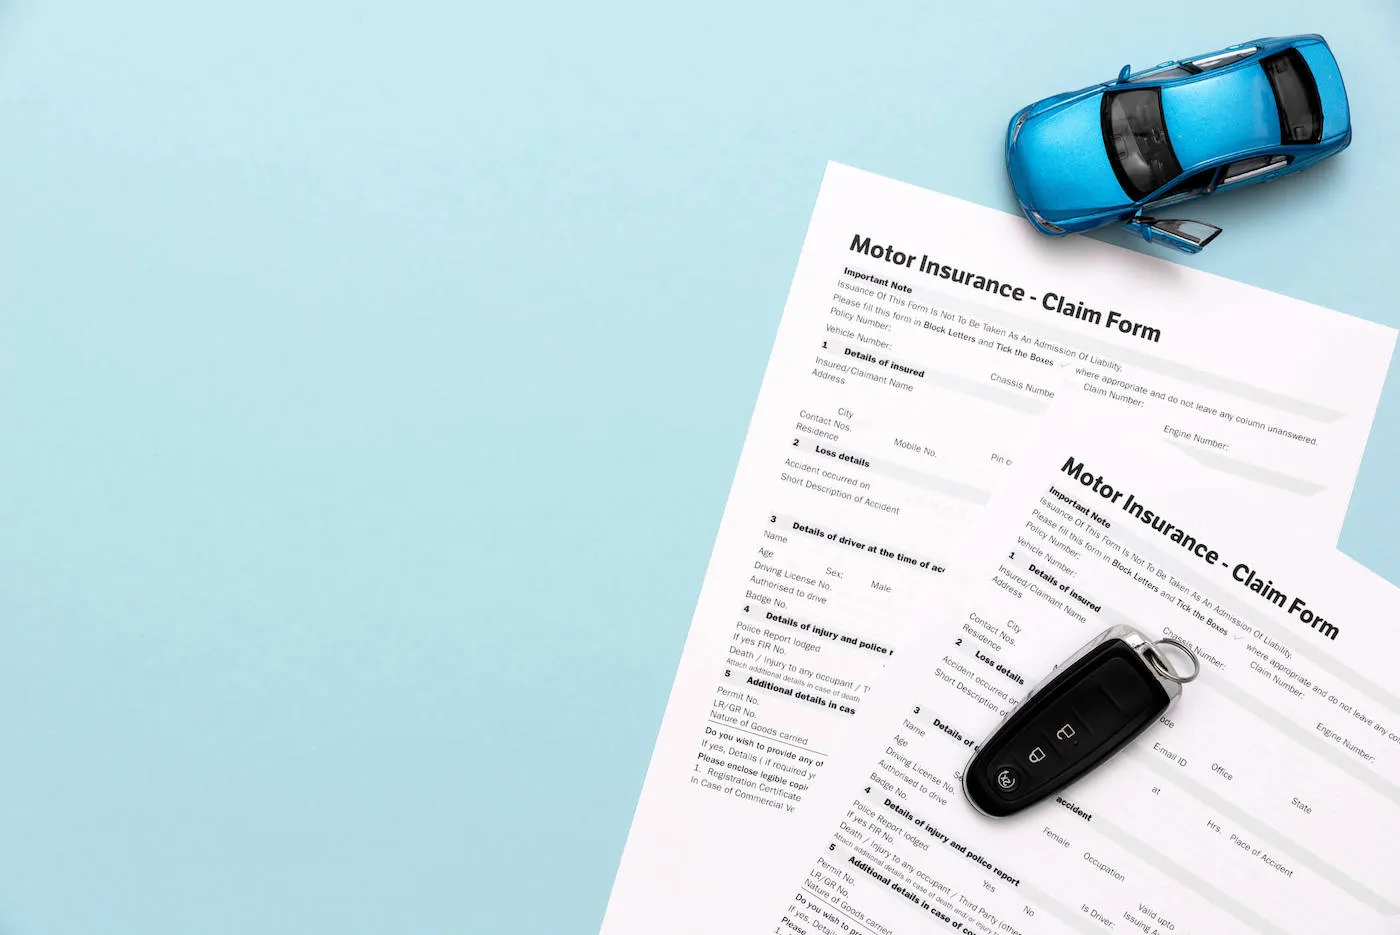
{"x": 922, "y": 340}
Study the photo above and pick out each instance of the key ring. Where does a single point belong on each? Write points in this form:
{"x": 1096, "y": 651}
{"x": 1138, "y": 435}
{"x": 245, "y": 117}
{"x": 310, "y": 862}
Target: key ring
{"x": 1162, "y": 667}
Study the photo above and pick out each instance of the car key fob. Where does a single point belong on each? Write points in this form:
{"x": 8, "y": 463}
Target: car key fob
{"x": 1090, "y": 708}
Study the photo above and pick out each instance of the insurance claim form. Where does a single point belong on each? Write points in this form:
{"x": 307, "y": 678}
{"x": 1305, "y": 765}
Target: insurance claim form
{"x": 922, "y": 339}
{"x": 1267, "y": 800}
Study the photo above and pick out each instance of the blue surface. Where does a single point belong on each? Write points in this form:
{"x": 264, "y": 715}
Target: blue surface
{"x": 373, "y": 377}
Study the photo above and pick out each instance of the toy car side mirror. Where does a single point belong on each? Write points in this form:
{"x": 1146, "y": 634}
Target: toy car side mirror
{"x": 1179, "y": 234}
{"x": 1123, "y": 75}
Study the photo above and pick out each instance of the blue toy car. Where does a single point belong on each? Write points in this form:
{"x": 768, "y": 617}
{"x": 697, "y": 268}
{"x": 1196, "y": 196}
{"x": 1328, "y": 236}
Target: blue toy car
{"x": 1179, "y": 130}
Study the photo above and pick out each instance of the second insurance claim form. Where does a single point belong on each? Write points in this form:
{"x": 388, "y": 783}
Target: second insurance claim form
{"x": 1266, "y": 801}
{"x": 922, "y": 340}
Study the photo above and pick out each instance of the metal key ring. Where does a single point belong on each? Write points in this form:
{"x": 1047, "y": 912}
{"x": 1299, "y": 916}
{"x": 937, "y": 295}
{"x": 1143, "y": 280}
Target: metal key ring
{"x": 1164, "y": 668}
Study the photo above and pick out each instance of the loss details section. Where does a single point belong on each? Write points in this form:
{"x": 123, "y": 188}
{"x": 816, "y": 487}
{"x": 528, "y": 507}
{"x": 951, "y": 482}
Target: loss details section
{"x": 922, "y": 339}
{"x": 1267, "y": 800}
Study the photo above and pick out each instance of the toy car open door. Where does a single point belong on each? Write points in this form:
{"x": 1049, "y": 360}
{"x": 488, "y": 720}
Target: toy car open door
{"x": 1186, "y": 236}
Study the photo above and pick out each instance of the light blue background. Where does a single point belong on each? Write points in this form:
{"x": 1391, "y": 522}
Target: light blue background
{"x": 373, "y": 376}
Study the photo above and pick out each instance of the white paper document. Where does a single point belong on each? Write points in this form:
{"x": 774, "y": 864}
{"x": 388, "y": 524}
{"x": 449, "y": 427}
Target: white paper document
{"x": 922, "y": 340}
{"x": 1266, "y": 800}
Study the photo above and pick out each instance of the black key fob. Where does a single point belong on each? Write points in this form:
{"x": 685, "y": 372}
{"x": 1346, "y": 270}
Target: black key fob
{"x": 1095, "y": 702}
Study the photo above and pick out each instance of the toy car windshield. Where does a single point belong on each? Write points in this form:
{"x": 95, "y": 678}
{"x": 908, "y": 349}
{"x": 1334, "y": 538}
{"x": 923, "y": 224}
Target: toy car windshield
{"x": 1136, "y": 136}
{"x": 1295, "y": 91}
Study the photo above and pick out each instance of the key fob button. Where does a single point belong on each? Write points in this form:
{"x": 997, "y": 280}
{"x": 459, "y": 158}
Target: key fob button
{"x": 1125, "y": 684}
{"x": 1007, "y": 780}
{"x": 1095, "y": 707}
{"x": 1038, "y": 757}
{"x": 1070, "y": 735}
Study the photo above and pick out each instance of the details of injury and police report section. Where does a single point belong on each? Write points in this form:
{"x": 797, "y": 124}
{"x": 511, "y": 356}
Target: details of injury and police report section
{"x": 922, "y": 341}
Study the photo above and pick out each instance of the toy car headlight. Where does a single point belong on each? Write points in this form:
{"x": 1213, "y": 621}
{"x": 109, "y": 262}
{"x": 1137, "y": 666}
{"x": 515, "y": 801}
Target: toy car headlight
{"x": 1044, "y": 223}
{"x": 1020, "y": 122}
